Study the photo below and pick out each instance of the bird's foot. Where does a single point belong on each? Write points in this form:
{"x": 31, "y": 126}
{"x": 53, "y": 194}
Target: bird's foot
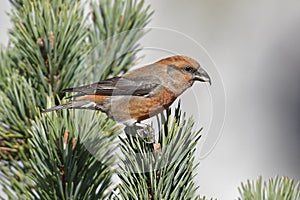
{"x": 144, "y": 131}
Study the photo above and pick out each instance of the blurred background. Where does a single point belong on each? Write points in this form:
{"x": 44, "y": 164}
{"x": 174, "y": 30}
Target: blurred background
{"x": 254, "y": 48}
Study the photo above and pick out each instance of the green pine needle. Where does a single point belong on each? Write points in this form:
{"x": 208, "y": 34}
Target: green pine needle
{"x": 117, "y": 27}
{"x": 63, "y": 163}
{"x": 52, "y": 46}
{"x": 163, "y": 174}
{"x": 275, "y": 189}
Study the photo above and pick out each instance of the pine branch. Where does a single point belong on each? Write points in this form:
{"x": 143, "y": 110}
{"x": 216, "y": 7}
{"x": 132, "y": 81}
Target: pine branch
{"x": 49, "y": 37}
{"x": 64, "y": 164}
{"x": 117, "y": 26}
{"x": 17, "y": 107}
{"x": 275, "y": 189}
{"x": 50, "y": 51}
{"x": 52, "y": 43}
{"x": 162, "y": 171}
{"x": 46, "y": 56}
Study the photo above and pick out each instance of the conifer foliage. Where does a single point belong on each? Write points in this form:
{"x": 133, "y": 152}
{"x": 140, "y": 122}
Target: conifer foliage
{"x": 51, "y": 47}
{"x": 276, "y": 188}
{"x": 164, "y": 169}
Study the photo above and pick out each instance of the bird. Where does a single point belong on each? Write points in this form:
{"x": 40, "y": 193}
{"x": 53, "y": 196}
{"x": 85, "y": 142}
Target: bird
{"x": 138, "y": 94}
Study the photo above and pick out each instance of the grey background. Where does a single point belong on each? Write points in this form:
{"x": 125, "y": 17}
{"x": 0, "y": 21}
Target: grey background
{"x": 256, "y": 48}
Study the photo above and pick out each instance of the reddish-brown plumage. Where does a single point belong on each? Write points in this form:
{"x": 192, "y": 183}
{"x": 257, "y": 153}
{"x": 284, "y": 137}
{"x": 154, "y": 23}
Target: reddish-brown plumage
{"x": 180, "y": 61}
{"x": 94, "y": 98}
{"x": 141, "y": 93}
{"x": 144, "y": 108}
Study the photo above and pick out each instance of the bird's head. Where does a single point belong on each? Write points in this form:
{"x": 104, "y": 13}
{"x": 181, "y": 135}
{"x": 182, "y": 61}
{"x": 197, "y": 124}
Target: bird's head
{"x": 187, "y": 68}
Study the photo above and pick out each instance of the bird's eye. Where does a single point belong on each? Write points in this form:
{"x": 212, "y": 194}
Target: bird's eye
{"x": 189, "y": 69}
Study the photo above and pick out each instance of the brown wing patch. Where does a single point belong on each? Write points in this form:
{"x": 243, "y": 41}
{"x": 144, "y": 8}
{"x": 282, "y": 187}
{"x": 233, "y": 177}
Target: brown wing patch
{"x": 99, "y": 99}
{"x": 118, "y": 86}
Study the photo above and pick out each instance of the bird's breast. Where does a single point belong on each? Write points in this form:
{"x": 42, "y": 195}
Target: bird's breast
{"x": 140, "y": 107}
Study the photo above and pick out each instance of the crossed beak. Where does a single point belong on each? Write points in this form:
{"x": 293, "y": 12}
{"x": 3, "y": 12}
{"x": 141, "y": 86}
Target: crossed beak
{"x": 202, "y": 75}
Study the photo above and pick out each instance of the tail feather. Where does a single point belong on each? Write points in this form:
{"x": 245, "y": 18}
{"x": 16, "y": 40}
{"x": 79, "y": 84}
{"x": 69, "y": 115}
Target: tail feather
{"x": 79, "y": 104}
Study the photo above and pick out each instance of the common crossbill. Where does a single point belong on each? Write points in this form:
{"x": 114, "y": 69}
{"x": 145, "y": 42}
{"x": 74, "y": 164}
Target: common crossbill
{"x": 138, "y": 94}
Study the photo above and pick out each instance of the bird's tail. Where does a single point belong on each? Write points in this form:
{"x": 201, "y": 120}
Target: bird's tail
{"x": 78, "y": 104}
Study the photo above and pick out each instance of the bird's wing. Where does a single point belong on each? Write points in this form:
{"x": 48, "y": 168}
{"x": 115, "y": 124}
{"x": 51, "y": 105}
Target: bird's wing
{"x": 118, "y": 86}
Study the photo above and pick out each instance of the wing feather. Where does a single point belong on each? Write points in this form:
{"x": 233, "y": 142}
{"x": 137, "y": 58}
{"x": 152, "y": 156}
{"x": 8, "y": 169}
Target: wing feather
{"x": 117, "y": 86}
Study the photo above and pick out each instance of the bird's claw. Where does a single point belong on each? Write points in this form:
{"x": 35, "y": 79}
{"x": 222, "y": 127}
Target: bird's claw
{"x": 144, "y": 131}
{"x": 147, "y": 133}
